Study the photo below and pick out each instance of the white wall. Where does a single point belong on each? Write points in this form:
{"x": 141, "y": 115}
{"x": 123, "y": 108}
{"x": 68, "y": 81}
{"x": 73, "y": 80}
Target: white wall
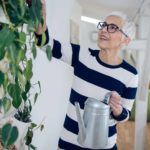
{"x": 88, "y": 34}
{"x": 55, "y": 77}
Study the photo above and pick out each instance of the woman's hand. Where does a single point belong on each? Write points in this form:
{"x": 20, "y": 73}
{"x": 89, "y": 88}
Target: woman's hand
{"x": 44, "y": 9}
{"x": 115, "y": 103}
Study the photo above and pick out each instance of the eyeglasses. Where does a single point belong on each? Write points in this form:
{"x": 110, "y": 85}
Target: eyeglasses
{"x": 111, "y": 28}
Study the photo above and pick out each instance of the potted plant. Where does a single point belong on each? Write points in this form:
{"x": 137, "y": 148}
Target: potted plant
{"x": 17, "y": 52}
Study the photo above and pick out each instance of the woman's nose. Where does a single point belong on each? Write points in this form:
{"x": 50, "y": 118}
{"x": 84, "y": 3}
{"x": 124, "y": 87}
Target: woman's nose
{"x": 104, "y": 29}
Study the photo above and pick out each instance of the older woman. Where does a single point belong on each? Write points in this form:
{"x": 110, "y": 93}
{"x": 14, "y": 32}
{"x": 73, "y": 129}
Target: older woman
{"x": 97, "y": 72}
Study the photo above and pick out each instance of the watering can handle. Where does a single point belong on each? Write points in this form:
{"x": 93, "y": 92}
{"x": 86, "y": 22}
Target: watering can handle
{"x": 106, "y": 101}
{"x": 107, "y": 97}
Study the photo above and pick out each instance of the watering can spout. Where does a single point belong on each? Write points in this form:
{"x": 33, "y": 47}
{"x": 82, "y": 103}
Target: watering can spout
{"x": 82, "y": 129}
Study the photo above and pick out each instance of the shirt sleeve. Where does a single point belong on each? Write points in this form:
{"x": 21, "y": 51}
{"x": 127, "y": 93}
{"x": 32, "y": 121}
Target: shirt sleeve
{"x": 66, "y": 52}
{"x": 128, "y": 99}
{"x": 39, "y": 38}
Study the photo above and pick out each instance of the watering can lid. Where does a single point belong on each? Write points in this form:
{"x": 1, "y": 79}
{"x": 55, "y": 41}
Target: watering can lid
{"x": 94, "y": 103}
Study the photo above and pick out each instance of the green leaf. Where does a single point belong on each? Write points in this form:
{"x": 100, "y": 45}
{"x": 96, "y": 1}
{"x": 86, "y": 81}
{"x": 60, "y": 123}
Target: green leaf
{"x": 6, "y": 104}
{"x": 27, "y": 86}
{"x": 28, "y": 70}
{"x": 49, "y": 52}
{"x": 1, "y": 78}
{"x": 39, "y": 85}
{"x": 24, "y": 96}
{"x": 15, "y": 92}
{"x": 12, "y": 52}
{"x": 34, "y": 51}
{"x": 22, "y": 79}
{"x": 42, "y": 21}
{"x": 6, "y": 38}
{"x": 30, "y": 105}
{"x": 32, "y": 146}
{"x": 33, "y": 125}
{"x": 22, "y": 37}
{"x": 9, "y": 134}
{"x": 35, "y": 98}
{"x": 29, "y": 137}
{"x": 37, "y": 6}
{"x": 14, "y": 69}
{"x": 21, "y": 7}
{"x": 1, "y": 103}
{"x": 35, "y": 12}
{"x": 16, "y": 10}
{"x": 43, "y": 39}
{"x": 31, "y": 26}
{"x": 42, "y": 127}
{"x": 2, "y": 53}
{"x": 13, "y": 57}
{"x": 5, "y": 82}
{"x": 20, "y": 56}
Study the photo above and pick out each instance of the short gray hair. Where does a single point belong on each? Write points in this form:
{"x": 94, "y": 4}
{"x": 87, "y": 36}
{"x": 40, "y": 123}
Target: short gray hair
{"x": 129, "y": 27}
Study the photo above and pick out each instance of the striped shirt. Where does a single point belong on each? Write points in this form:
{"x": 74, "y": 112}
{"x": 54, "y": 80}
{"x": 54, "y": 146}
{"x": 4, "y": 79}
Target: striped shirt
{"x": 93, "y": 78}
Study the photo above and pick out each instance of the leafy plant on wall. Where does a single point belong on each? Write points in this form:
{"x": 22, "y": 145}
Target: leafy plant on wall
{"x": 17, "y": 50}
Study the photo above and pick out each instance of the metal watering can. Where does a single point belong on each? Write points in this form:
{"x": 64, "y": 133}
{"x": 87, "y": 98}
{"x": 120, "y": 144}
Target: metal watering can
{"x": 93, "y": 127}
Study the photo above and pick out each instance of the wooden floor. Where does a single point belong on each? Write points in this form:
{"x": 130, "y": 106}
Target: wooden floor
{"x": 126, "y": 136}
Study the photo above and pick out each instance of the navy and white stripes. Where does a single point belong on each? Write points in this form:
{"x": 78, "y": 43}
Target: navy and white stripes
{"x": 93, "y": 78}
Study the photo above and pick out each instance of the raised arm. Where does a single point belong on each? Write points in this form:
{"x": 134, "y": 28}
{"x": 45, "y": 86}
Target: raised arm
{"x": 43, "y": 28}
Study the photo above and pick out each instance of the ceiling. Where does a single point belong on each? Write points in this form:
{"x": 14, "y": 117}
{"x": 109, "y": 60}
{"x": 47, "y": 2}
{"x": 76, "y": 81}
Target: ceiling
{"x": 99, "y": 8}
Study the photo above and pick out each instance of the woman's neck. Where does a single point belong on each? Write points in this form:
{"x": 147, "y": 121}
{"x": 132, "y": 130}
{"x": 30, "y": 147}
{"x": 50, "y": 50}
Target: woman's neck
{"x": 110, "y": 57}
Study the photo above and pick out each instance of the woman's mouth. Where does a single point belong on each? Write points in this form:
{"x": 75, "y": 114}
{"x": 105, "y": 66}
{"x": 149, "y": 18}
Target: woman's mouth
{"x": 103, "y": 38}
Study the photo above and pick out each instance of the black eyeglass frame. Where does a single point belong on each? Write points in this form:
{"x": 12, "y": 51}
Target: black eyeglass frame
{"x": 99, "y": 26}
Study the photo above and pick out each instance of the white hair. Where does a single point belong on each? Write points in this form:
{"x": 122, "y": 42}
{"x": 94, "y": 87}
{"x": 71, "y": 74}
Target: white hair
{"x": 129, "y": 27}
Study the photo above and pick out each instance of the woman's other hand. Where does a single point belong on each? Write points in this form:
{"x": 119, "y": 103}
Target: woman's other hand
{"x": 115, "y": 103}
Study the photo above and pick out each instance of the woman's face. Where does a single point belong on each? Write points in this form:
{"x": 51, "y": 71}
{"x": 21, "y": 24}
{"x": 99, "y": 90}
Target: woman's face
{"x": 111, "y": 41}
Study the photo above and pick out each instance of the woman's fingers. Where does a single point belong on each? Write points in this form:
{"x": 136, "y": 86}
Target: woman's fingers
{"x": 115, "y": 103}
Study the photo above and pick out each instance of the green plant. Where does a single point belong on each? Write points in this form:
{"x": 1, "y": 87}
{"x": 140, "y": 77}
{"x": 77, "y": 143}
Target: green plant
{"x": 30, "y": 134}
{"x": 17, "y": 52}
{"x": 8, "y": 135}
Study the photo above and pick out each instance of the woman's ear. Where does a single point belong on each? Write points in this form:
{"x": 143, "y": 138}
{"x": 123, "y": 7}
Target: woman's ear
{"x": 127, "y": 41}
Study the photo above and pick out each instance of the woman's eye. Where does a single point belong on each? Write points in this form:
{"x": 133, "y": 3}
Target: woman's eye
{"x": 103, "y": 25}
{"x": 112, "y": 27}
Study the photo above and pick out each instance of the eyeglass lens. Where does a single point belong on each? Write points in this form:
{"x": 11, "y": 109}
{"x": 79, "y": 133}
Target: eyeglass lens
{"x": 110, "y": 27}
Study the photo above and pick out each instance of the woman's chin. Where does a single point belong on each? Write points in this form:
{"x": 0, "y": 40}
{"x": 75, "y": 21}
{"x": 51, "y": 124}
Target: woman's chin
{"x": 102, "y": 46}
